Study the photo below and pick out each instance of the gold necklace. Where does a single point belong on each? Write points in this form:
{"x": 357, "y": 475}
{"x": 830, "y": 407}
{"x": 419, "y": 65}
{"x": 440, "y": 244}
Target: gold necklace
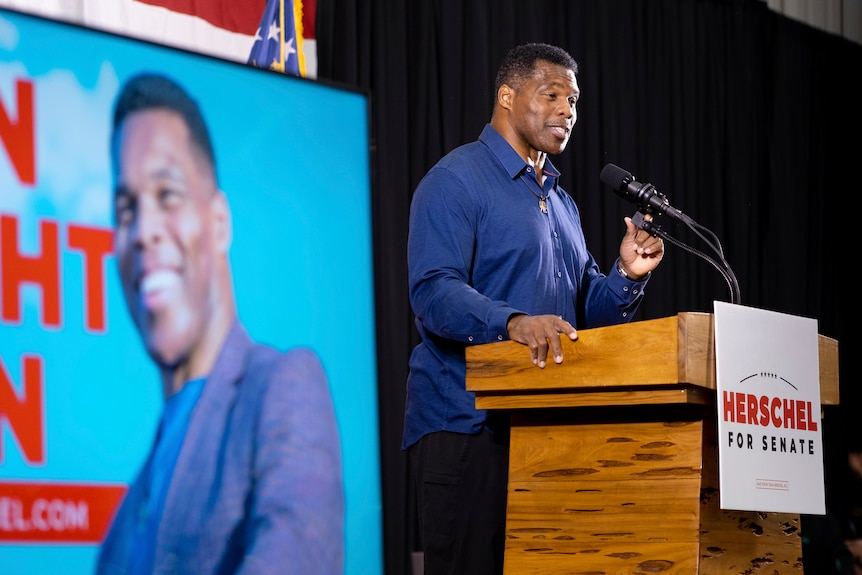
{"x": 543, "y": 205}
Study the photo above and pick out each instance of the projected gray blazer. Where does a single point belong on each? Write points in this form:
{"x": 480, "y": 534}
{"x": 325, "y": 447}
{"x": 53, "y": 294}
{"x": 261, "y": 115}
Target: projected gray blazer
{"x": 257, "y": 487}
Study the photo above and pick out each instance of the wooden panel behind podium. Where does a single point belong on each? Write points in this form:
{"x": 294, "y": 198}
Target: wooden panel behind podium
{"x": 614, "y": 461}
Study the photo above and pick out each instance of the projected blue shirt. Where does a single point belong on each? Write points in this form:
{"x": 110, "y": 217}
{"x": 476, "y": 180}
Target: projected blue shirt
{"x": 481, "y": 250}
{"x": 172, "y": 430}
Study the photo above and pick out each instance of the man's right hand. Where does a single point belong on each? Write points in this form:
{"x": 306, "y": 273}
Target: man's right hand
{"x": 541, "y": 333}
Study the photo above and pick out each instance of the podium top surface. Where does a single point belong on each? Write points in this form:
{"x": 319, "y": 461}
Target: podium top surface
{"x": 672, "y": 352}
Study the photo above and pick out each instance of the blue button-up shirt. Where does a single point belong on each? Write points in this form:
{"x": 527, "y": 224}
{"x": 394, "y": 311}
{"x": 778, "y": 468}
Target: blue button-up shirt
{"x": 480, "y": 249}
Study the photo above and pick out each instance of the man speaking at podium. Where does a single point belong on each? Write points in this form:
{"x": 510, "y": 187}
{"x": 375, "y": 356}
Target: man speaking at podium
{"x": 496, "y": 251}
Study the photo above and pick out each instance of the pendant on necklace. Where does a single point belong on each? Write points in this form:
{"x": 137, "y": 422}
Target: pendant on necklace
{"x": 543, "y": 204}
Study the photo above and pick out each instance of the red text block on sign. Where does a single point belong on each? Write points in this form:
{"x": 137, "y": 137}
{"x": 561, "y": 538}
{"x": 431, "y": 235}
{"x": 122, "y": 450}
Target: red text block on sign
{"x": 57, "y": 512}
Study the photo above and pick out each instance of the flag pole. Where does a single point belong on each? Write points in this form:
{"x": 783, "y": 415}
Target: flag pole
{"x": 281, "y": 32}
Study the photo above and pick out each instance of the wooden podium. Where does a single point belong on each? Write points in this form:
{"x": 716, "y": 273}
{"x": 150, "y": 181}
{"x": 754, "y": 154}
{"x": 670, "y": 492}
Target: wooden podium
{"x": 614, "y": 460}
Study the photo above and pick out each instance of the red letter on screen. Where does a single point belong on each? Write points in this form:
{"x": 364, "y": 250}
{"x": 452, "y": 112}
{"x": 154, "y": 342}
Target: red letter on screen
{"x": 17, "y": 136}
{"x": 16, "y": 269}
{"x": 25, "y": 415}
{"x": 94, "y": 243}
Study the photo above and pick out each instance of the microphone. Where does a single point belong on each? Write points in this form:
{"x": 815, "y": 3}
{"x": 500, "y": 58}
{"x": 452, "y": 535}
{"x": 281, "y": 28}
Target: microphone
{"x": 648, "y": 199}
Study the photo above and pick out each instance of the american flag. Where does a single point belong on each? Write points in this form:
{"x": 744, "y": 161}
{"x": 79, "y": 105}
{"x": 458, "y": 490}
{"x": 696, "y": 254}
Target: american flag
{"x": 276, "y": 46}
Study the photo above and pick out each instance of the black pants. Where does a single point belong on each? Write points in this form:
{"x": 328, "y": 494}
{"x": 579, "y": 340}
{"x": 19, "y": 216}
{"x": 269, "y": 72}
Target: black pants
{"x": 461, "y": 484}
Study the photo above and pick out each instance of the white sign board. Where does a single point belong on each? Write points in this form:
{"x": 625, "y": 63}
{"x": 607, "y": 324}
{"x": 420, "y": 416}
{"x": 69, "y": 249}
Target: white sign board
{"x": 768, "y": 399}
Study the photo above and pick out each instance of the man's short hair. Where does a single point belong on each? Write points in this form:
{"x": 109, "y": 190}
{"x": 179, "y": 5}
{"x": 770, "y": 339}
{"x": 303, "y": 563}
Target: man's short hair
{"x": 519, "y": 63}
{"x": 151, "y": 91}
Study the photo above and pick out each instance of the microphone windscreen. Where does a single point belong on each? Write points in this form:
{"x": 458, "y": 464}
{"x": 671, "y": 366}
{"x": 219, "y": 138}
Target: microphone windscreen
{"x": 615, "y": 177}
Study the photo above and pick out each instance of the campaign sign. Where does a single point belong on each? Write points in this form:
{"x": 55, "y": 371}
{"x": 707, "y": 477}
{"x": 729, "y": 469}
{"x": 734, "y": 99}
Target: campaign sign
{"x": 768, "y": 401}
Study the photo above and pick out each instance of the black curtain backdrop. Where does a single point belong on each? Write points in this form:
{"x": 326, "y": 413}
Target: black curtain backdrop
{"x": 743, "y": 118}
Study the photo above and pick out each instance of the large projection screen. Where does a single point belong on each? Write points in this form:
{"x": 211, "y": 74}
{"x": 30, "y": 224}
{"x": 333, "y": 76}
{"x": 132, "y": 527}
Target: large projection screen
{"x": 79, "y": 397}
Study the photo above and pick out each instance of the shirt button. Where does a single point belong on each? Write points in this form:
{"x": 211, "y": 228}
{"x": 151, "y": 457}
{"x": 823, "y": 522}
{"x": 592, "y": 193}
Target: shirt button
{"x": 625, "y": 288}
{"x": 469, "y": 338}
{"x": 499, "y": 337}
{"x": 635, "y": 291}
{"x": 625, "y": 314}
{"x": 559, "y": 274}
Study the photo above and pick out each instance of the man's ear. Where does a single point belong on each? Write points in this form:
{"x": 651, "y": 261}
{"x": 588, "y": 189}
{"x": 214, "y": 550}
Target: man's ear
{"x": 222, "y": 223}
{"x": 504, "y": 97}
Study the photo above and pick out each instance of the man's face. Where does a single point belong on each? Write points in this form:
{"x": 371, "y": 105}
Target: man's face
{"x": 544, "y": 108}
{"x": 167, "y": 219}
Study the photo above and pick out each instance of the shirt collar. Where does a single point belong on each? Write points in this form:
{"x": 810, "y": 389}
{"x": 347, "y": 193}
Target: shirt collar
{"x": 508, "y": 157}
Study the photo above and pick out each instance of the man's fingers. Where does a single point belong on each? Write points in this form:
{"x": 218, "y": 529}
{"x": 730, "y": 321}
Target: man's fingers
{"x": 542, "y": 335}
{"x": 534, "y": 354}
{"x": 566, "y": 328}
{"x": 556, "y": 349}
{"x": 540, "y": 352}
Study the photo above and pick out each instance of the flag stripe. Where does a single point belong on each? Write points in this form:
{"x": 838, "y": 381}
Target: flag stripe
{"x": 240, "y": 17}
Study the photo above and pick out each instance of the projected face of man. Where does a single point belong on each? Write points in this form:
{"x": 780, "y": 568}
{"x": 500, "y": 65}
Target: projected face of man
{"x": 172, "y": 233}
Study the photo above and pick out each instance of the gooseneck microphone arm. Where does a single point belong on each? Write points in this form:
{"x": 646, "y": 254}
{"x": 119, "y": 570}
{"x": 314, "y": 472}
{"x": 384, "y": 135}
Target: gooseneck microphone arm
{"x": 650, "y": 201}
{"x": 720, "y": 264}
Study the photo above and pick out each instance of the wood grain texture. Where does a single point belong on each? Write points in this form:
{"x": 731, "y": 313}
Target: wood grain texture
{"x": 603, "y": 497}
{"x": 606, "y": 558}
{"x": 621, "y": 397}
{"x": 625, "y": 496}
{"x": 672, "y": 351}
{"x": 613, "y": 451}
